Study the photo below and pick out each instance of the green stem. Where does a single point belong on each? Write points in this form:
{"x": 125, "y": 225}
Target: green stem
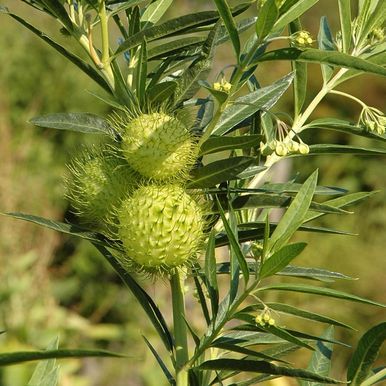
{"x": 348, "y": 96}
{"x": 180, "y": 328}
{"x": 374, "y": 378}
{"x": 298, "y": 124}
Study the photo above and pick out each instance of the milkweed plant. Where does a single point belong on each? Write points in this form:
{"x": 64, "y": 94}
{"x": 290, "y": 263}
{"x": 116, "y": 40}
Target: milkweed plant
{"x": 183, "y": 169}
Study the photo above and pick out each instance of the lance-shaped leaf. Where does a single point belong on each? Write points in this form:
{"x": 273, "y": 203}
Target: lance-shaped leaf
{"x": 365, "y": 354}
{"x": 13, "y": 358}
{"x": 296, "y": 10}
{"x": 211, "y": 274}
{"x": 280, "y": 259}
{"x": 215, "y": 144}
{"x": 267, "y": 17}
{"x": 154, "y": 12}
{"x": 80, "y": 122}
{"x": 340, "y": 202}
{"x": 71, "y": 229}
{"x": 344, "y": 127}
{"x": 295, "y": 214}
{"x": 219, "y": 171}
{"x": 263, "y": 367}
{"x": 235, "y": 245}
{"x": 188, "y": 84}
{"x": 226, "y": 15}
{"x": 333, "y": 58}
{"x": 265, "y": 200}
{"x": 244, "y": 106}
{"x": 57, "y": 9}
{"x": 161, "y": 363}
{"x": 46, "y": 372}
{"x": 321, "y": 358}
{"x": 180, "y": 24}
{"x": 345, "y": 23}
{"x": 343, "y": 149}
{"x": 145, "y": 301}
{"x": 307, "y": 289}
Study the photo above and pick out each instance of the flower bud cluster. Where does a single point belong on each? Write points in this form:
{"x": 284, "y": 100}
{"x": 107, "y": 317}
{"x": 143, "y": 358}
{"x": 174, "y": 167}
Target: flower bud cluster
{"x": 223, "y": 86}
{"x": 264, "y": 319}
{"x": 301, "y": 39}
{"x": 373, "y": 120}
{"x": 284, "y": 145}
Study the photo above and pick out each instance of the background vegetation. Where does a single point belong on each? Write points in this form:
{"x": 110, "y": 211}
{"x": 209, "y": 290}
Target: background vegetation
{"x": 54, "y": 285}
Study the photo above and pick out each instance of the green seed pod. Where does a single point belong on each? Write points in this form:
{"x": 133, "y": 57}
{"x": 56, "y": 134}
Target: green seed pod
{"x": 98, "y": 181}
{"x": 157, "y": 145}
{"x": 161, "y": 227}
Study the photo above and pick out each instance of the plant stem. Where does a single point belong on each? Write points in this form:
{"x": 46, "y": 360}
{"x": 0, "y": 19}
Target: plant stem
{"x": 105, "y": 38}
{"x": 348, "y": 96}
{"x": 298, "y": 125}
{"x": 180, "y": 328}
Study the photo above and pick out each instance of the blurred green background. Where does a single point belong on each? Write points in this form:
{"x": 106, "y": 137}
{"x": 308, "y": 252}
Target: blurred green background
{"x": 53, "y": 285}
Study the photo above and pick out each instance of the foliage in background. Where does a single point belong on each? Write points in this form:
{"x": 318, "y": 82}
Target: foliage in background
{"x": 219, "y": 94}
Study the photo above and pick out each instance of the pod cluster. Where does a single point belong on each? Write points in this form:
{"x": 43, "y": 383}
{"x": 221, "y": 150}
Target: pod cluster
{"x": 136, "y": 190}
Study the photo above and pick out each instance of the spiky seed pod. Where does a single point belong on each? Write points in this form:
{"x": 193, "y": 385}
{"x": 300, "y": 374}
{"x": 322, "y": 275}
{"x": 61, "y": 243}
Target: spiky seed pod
{"x": 157, "y": 145}
{"x": 161, "y": 227}
{"x": 98, "y": 181}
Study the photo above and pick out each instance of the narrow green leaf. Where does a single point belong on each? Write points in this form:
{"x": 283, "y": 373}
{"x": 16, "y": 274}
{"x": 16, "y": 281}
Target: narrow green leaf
{"x": 313, "y": 273}
{"x": 14, "y": 358}
{"x": 57, "y": 9}
{"x": 293, "y": 187}
{"x": 325, "y": 43}
{"x": 265, "y": 200}
{"x": 235, "y": 245}
{"x": 307, "y": 289}
{"x": 211, "y": 274}
{"x": 161, "y": 363}
{"x": 344, "y": 127}
{"x": 145, "y": 301}
{"x": 287, "y": 336}
{"x": 161, "y": 92}
{"x": 178, "y": 25}
{"x": 46, "y": 372}
{"x": 244, "y": 106}
{"x": 176, "y": 46}
{"x": 280, "y": 259}
{"x": 345, "y": 23}
{"x": 300, "y": 80}
{"x": 321, "y": 359}
{"x": 340, "y": 202}
{"x": 154, "y": 12}
{"x": 85, "y": 67}
{"x": 202, "y": 299}
{"x": 68, "y": 228}
{"x": 333, "y": 58}
{"x": 216, "y": 144}
{"x": 141, "y": 73}
{"x": 263, "y": 367}
{"x": 80, "y": 122}
{"x": 257, "y": 233}
{"x": 246, "y": 351}
{"x": 295, "y": 214}
{"x": 365, "y": 354}
{"x": 343, "y": 149}
{"x": 267, "y": 17}
{"x": 297, "y": 10}
{"x": 226, "y": 15}
{"x": 219, "y": 171}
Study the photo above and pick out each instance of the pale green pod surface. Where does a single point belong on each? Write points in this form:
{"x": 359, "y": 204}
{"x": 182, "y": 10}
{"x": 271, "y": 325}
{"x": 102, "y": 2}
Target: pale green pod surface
{"x": 97, "y": 183}
{"x": 158, "y": 145}
{"x": 161, "y": 227}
